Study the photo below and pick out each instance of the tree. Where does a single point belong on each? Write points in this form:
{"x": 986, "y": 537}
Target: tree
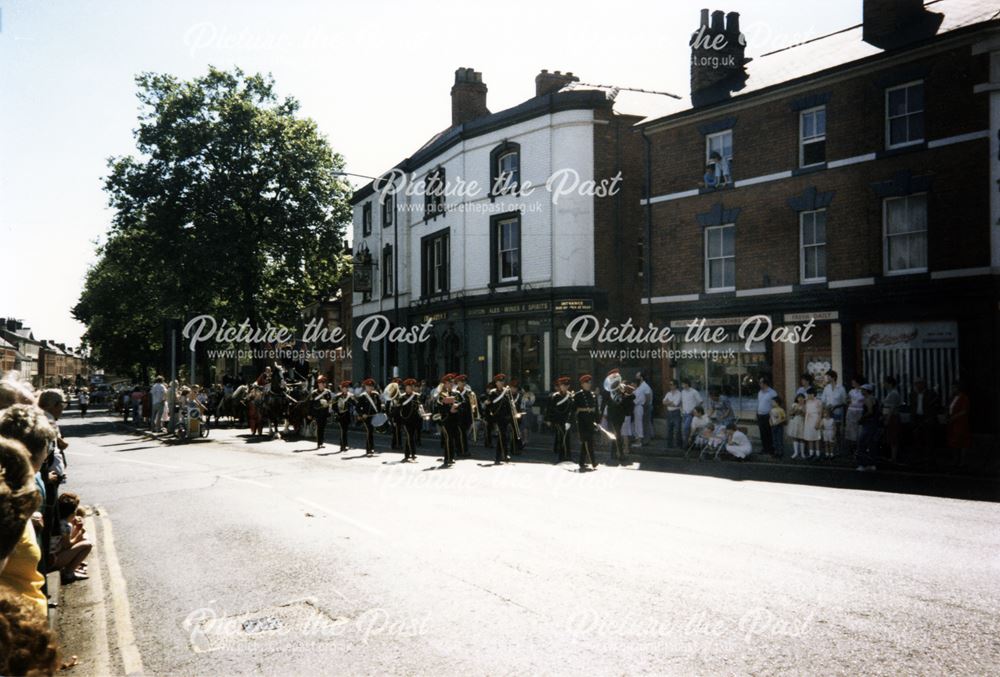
{"x": 234, "y": 207}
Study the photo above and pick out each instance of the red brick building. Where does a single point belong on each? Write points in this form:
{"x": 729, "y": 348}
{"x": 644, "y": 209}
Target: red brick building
{"x": 845, "y": 180}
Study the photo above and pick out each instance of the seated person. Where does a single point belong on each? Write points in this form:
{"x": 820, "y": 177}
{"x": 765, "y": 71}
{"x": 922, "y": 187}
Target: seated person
{"x": 737, "y": 443}
{"x": 698, "y": 423}
{"x": 715, "y": 436}
{"x": 70, "y": 548}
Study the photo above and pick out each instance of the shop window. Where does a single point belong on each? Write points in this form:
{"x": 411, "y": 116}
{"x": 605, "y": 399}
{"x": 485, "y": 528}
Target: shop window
{"x": 728, "y": 368}
{"x": 519, "y": 351}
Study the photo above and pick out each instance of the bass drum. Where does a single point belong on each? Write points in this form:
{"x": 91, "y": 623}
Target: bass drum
{"x": 380, "y": 422}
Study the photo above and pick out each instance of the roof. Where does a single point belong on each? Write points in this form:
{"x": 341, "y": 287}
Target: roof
{"x": 579, "y": 99}
{"x": 832, "y": 51}
{"x": 4, "y": 343}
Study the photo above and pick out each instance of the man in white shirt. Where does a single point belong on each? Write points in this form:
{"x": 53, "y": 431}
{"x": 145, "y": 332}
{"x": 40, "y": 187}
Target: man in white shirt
{"x": 672, "y": 405}
{"x": 158, "y": 394}
{"x": 834, "y": 396}
{"x": 690, "y": 398}
{"x": 765, "y": 398}
{"x": 737, "y": 443}
{"x": 645, "y": 393}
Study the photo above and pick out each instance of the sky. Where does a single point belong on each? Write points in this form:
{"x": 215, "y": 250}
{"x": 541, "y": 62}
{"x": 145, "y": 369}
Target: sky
{"x": 375, "y": 76}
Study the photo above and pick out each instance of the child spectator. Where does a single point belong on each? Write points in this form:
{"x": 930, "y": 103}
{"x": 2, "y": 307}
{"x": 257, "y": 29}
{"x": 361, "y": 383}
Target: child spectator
{"x": 829, "y": 431}
{"x": 778, "y": 418}
{"x": 70, "y": 549}
{"x": 796, "y": 420}
{"x": 812, "y": 423}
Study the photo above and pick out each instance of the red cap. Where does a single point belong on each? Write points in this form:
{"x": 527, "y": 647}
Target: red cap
{"x": 462, "y": 377}
{"x": 345, "y": 384}
{"x": 500, "y": 377}
{"x": 410, "y": 382}
{"x": 613, "y": 371}
{"x": 586, "y": 378}
{"x": 562, "y": 381}
{"x": 447, "y": 377}
{"x": 397, "y": 380}
{"x": 368, "y": 382}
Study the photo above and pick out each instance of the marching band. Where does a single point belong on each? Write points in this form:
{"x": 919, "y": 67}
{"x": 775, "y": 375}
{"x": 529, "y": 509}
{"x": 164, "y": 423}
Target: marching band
{"x": 459, "y": 412}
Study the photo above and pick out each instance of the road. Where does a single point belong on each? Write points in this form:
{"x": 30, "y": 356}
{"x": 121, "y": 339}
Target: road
{"x": 239, "y": 557}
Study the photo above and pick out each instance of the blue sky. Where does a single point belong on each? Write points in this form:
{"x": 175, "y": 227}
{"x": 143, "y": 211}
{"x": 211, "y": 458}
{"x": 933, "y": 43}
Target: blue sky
{"x": 374, "y": 75}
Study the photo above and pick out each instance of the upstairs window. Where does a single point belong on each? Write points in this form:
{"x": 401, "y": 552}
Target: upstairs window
{"x": 905, "y": 224}
{"x": 505, "y": 168}
{"x": 388, "y": 272}
{"x": 506, "y": 237}
{"x": 434, "y": 188}
{"x": 388, "y": 209}
{"x": 812, "y": 136}
{"x": 434, "y": 262}
{"x": 812, "y": 227}
{"x": 904, "y": 115}
{"x": 718, "y": 159}
{"x": 366, "y": 219}
{"x": 720, "y": 258}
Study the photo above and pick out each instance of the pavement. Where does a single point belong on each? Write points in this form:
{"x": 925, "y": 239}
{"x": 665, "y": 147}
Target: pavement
{"x": 239, "y": 556}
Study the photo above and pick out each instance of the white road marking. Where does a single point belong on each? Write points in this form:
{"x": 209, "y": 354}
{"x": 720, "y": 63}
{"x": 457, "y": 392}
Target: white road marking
{"x": 240, "y": 479}
{"x": 131, "y": 660}
{"x": 341, "y": 516}
{"x": 157, "y": 465}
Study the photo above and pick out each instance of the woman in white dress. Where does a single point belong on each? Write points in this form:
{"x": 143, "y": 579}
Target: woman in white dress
{"x": 813, "y": 423}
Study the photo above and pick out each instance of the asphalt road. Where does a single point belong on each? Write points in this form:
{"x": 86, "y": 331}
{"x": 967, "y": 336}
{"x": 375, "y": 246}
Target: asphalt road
{"x": 231, "y": 556}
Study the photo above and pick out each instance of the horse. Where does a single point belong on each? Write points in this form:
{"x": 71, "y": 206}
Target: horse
{"x": 234, "y": 406}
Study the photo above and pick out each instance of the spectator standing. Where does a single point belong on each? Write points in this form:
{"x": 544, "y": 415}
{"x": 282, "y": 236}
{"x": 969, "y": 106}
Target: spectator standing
{"x": 890, "y": 415}
{"x": 54, "y": 469}
{"x": 959, "y": 429}
{"x": 158, "y": 396}
{"x": 925, "y": 406}
{"x": 834, "y": 398}
{"x": 765, "y": 399}
{"x": 647, "y": 407}
{"x": 83, "y": 397}
{"x": 638, "y": 420}
{"x": 869, "y": 429}
{"x": 812, "y": 423}
{"x": 690, "y": 398}
{"x": 777, "y": 419}
{"x": 805, "y": 383}
{"x": 796, "y": 425}
{"x": 855, "y": 405}
{"x": 672, "y": 406}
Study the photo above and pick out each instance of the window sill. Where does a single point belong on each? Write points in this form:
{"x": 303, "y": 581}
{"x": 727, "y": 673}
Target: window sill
{"x": 809, "y": 169}
{"x": 902, "y": 148}
{"x": 720, "y": 290}
{"x": 909, "y": 271}
{"x": 815, "y": 280}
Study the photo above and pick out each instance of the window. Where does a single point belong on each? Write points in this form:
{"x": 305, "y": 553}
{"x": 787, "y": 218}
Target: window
{"x": 388, "y": 272}
{"x": 505, "y": 168}
{"x": 366, "y": 219}
{"x": 505, "y": 232}
{"x": 434, "y": 264}
{"x": 434, "y": 189}
{"x": 904, "y": 115}
{"x": 388, "y": 209}
{"x": 720, "y": 258}
{"x": 905, "y": 220}
{"x": 719, "y": 157}
{"x": 812, "y": 228}
{"x": 812, "y": 136}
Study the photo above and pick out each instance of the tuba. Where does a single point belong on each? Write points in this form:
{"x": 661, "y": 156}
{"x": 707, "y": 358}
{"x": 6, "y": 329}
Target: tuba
{"x": 613, "y": 383}
{"x": 391, "y": 393}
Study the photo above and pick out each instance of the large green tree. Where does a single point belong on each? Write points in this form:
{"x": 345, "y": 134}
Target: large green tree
{"x": 234, "y": 206}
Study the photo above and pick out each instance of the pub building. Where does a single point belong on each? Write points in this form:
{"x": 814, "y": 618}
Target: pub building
{"x": 848, "y": 180}
{"x": 499, "y": 271}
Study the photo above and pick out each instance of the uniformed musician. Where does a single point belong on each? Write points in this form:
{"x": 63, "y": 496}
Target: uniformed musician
{"x": 320, "y": 400}
{"x": 619, "y": 404}
{"x": 463, "y": 389}
{"x": 585, "y": 406}
{"x": 517, "y": 395}
{"x": 558, "y": 414}
{"x": 367, "y": 404}
{"x": 445, "y": 410}
{"x": 342, "y": 404}
{"x": 410, "y": 419}
{"x": 392, "y": 409}
{"x": 499, "y": 404}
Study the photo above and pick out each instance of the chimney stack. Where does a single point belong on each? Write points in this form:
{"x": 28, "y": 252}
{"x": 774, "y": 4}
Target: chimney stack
{"x": 718, "y": 64}
{"x": 888, "y": 24}
{"x": 546, "y": 82}
{"x": 468, "y": 96}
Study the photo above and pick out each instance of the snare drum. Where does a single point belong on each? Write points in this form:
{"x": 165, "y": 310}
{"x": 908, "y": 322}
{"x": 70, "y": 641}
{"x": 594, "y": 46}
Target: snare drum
{"x": 380, "y": 422}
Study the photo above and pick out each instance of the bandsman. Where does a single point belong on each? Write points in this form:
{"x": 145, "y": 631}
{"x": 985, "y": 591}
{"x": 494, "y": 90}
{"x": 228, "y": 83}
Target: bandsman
{"x": 558, "y": 414}
{"x": 585, "y": 406}
{"x": 342, "y": 405}
{"x": 410, "y": 418}
{"x": 501, "y": 410}
{"x": 367, "y": 404}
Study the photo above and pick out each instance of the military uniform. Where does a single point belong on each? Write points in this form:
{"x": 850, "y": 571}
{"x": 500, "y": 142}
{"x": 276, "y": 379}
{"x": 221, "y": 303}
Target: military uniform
{"x": 342, "y": 404}
{"x": 503, "y": 417}
{"x": 410, "y": 420}
{"x": 585, "y": 412}
{"x": 558, "y": 414}
{"x": 367, "y": 404}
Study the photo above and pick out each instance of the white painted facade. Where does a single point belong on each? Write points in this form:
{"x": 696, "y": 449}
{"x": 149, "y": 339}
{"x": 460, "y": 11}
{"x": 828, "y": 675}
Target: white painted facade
{"x": 548, "y": 143}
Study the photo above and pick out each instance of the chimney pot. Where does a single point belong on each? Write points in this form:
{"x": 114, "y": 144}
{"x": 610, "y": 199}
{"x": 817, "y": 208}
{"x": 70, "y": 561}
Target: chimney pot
{"x": 733, "y": 23}
{"x": 704, "y": 18}
{"x": 546, "y": 82}
{"x": 718, "y": 63}
{"x": 468, "y": 96}
{"x": 718, "y": 21}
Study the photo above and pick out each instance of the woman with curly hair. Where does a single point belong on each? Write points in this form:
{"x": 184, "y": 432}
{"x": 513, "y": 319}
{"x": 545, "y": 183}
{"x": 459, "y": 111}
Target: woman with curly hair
{"x": 27, "y": 646}
{"x": 26, "y": 424}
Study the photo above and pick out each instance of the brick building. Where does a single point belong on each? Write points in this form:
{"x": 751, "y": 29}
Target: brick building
{"x": 848, "y": 180}
{"x": 499, "y": 271}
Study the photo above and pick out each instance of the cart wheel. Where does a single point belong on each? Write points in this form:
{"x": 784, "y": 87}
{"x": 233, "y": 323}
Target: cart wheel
{"x": 204, "y": 431}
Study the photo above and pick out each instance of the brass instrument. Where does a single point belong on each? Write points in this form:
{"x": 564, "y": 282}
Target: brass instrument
{"x": 514, "y": 413}
{"x": 474, "y": 409}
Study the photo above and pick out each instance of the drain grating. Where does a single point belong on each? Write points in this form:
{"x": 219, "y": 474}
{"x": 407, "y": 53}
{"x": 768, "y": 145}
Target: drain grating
{"x": 286, "y": 625}
{"x": 264, "y": 624}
